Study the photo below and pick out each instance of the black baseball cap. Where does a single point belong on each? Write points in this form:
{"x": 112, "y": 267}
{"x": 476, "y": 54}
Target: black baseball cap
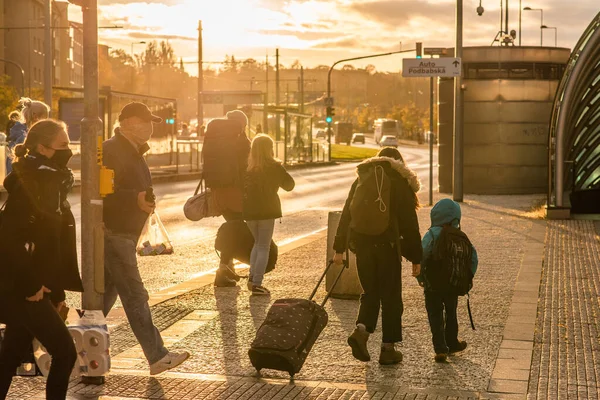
{"x": 140, "y": 110}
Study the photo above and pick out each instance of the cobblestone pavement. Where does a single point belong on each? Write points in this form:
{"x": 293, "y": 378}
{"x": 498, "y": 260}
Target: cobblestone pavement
{"x": 566, "y": 358}
{"x": 219, "y": 324}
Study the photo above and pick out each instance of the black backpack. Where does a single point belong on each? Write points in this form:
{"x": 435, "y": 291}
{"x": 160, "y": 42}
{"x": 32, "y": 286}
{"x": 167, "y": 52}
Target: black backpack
{"x": 221, "y": 167}
{"x": 450, "y": 270}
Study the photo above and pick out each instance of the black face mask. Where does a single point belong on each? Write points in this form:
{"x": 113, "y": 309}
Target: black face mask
{"x": 62, "y": 156}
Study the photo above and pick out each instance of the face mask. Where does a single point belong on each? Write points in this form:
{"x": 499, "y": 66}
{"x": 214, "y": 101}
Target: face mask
{"x": 62, "y": 156}
{"x": 141, "y": 133}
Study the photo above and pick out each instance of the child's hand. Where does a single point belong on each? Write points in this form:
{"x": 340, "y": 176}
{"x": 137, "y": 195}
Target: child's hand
{"x": 338, "y": 258}
{"x": 416, "y": 270}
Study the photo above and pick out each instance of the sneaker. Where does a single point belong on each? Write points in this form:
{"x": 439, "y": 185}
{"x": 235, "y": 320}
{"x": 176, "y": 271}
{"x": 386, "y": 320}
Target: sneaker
{"x": 171, "y": 360}
{"x": 358, "y": 342}
{"x": 260, "y": 291}
{"x": 389, "y": 356}
{"x": 441, "y": 357}
{"x": 460, "y": 346}
{"x": 223, "y": 280}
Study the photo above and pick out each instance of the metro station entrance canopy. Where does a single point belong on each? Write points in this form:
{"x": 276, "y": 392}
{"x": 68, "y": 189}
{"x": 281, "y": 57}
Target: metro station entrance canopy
{"x": 574, "y": 138}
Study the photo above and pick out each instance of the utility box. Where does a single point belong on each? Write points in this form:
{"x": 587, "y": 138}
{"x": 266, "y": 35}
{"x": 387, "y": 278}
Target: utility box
{"x": 348, "y": 287}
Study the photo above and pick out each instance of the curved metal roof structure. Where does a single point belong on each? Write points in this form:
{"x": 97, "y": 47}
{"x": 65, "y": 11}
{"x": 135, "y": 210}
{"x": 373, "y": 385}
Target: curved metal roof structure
{"x": 574, "y": 138}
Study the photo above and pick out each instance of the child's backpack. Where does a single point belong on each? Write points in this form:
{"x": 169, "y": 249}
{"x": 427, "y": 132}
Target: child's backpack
{"x": 450, "y": 270}
{"x": 370, "y": 204}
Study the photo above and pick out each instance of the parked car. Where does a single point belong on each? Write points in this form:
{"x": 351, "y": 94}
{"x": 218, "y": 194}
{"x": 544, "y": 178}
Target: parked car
{"x": 388, "y": 141}
{"x": 321, "y": 134}
{"x": 358, "y": 138}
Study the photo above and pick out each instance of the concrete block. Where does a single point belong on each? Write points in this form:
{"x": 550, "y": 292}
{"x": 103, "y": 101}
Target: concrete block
{"x": 511, "y": 374}
{"x": 507, "y": 386}
{"x": 516, "y": 344}
{"x": 515, "y": 354}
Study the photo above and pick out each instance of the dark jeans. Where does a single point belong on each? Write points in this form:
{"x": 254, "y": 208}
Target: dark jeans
{"x": 227, "y": 257}
{"x": 122, "y": 279}
{"x": 441, "y": 310}
{"x": 380, "y": 274}
{"x": 26, "y": 320}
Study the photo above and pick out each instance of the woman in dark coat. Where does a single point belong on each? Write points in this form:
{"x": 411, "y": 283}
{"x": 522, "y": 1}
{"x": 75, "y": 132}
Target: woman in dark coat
{"x": 39, "y": 256}
{"x": 378, "y": 257}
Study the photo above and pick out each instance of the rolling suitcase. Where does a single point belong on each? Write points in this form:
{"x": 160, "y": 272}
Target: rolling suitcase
{"x": 289, "y": 331}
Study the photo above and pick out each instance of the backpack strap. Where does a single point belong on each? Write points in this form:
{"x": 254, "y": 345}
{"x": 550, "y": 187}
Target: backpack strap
{"x": 469, "y": 310}
{"x": 200, "y": 188}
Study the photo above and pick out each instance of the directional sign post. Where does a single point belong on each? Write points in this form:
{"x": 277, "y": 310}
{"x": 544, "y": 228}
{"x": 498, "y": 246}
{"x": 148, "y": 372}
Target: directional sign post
{"x": 431, "y": 67}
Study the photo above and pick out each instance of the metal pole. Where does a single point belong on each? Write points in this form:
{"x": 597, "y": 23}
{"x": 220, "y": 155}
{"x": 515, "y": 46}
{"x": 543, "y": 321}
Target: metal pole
{"x": 351, "y": 59}
{"x": 200, "y": 78}
{"x": 457, "y": 181}
{"x": 301, "y": 89}
{"x": 92, "y": 232}
{"x": 542, "y": 29}
{"x": 277, "y": 121}
{"x": 48, "y": 81}
{"x": 506, "y": 19}
{"x": 431, "y": 141}
{"x": 520, "y": 19}
{"x": 266, "y": 108}
{"x": 22, "y": 74}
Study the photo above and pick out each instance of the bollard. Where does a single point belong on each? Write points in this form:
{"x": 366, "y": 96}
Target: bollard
{"x": 348, "y": 286}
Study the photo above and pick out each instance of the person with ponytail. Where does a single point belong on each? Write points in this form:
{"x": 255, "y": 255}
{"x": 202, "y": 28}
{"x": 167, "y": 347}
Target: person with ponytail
{"x": 32, "y": 111}
{"x": 39, "y": 255}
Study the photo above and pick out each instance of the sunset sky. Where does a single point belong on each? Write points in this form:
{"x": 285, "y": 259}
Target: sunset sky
{"x": 322, "y": 31}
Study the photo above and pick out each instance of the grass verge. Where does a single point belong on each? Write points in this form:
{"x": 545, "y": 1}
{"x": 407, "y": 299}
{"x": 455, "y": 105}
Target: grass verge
{"x": 342, "y": 152}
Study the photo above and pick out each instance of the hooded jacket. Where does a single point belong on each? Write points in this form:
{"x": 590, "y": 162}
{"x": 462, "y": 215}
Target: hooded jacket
{"x": 405, "y": 186}
{"x": 37, "y": 232}
{"x": 445, "y": 211}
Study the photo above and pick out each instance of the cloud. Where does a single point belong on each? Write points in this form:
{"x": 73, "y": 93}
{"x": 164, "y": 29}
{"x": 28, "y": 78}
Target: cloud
{"x": 395, "y": 13}
{"x": 147, "y": 35}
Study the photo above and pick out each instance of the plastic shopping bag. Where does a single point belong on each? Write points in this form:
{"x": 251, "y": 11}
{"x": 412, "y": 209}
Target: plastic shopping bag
{"x": 154, "y": 240}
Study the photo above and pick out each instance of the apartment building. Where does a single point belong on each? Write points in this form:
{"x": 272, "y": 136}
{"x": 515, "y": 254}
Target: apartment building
{"x": 22, "y": 41}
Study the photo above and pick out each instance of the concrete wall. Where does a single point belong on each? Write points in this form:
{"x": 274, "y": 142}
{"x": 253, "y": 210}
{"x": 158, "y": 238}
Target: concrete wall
{"x": 506, "y": 126}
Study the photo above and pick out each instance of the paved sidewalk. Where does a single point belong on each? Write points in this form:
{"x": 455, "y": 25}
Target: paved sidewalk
{"x": 566, "y": 358}
{"x": 217, "y": 326}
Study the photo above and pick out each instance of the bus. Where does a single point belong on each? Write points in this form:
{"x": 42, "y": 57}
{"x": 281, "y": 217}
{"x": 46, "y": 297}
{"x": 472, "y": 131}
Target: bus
{"x": 384, "y": 126}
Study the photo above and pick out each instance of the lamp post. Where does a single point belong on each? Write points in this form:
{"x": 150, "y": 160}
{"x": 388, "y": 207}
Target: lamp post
{"x": 133, "y": 67}
{"x": 133, "y": 44}
{"x": 555, "y": 33}
{"x": 541, "y": 22}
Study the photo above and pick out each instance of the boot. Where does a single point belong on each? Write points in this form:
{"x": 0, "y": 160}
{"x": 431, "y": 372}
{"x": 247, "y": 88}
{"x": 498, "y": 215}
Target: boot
{"x": 389, "y": 355}
{"x": 458, "y": 347}
{"x": 222, "y": 278}
{"x": 229, "y": 271}
{"x": 358, "y": 343}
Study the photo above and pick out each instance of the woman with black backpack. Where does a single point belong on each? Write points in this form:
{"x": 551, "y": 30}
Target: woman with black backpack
{"x": 39, "y": 256}
{"x": 379, "y": 223}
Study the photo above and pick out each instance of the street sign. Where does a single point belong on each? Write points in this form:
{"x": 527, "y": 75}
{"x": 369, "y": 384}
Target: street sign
{"x": 328, "y": 101}
{"x": 423, "y": 67}
{"x": 435, "y": 51}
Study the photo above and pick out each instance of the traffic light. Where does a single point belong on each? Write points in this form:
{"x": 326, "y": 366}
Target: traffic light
{"x": 419, "y": 50}
{"x": 330, "y": 114}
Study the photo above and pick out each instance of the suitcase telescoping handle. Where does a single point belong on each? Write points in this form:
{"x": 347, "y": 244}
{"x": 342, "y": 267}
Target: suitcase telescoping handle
{"x": 329, "y": 264}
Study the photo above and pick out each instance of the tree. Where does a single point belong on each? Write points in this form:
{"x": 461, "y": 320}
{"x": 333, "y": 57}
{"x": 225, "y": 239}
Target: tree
{"x": 8, "y": 100}
{"x": 348, "y": 67}
{"x": 296, "y": 65}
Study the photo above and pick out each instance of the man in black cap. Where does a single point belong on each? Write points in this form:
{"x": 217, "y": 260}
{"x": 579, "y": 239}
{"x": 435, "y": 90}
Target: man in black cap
{"x": 125, "y": 214}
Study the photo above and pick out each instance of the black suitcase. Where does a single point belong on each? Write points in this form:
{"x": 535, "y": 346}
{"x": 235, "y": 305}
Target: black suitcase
{"x": 235, "y": 237}
{"x": 289, "y": 331}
